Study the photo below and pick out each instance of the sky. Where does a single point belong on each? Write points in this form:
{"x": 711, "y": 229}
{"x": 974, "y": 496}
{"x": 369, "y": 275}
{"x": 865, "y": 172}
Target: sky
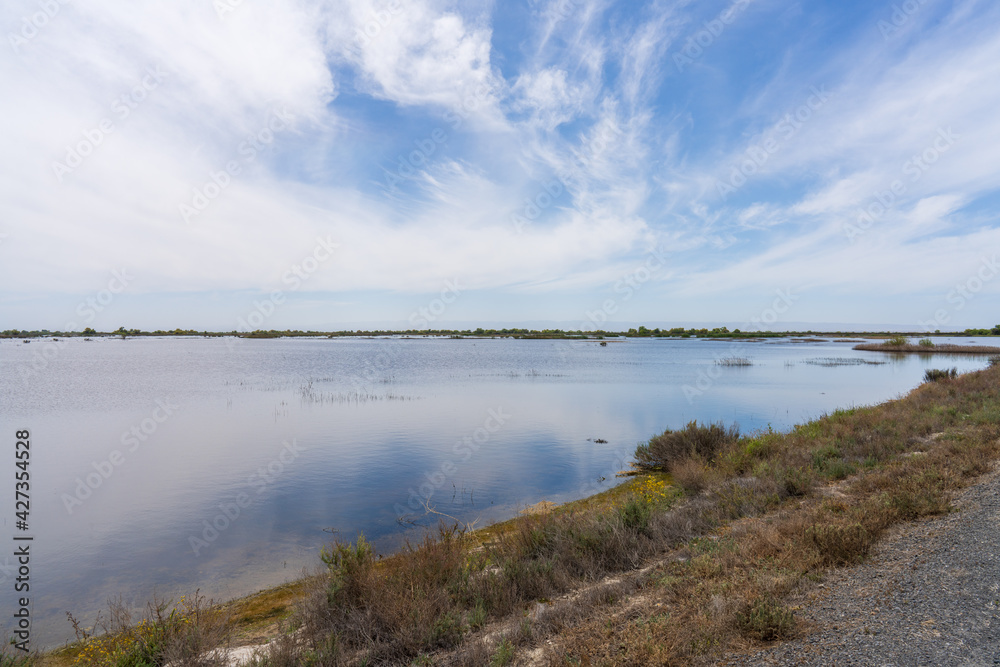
{"x": 338, "y": 164}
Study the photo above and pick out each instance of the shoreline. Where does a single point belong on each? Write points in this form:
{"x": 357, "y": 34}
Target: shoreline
{"x": 267, "y": 608}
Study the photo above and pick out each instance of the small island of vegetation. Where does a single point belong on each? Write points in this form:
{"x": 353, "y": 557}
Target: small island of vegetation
{"x": 926, "y": 346}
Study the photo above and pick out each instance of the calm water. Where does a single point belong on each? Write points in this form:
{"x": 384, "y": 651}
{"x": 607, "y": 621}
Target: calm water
{"x": 166, "y": 465}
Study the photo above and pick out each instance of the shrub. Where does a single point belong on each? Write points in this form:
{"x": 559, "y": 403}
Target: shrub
{"x": 349, "y": 567}
{"x": 840, "y": 544}
{"x": 634, "y": 514}
{"x": 504, "y": 654}
{"x": 926, "y": 342}
{"x": 690, "y": 474}
{"x": 698, "y": 440}
{"x": 896, "y": 341}
{"x": 935, "y": 374}
{"x": 994, "y": 361}
{"x": 766, "y": 619}
{"x": 795, "y": 481}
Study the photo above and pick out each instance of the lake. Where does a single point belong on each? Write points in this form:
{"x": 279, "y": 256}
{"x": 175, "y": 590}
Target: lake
{"x": 163, "y": 465}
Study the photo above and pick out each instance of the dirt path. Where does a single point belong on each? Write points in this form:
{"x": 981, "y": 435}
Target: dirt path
{"x": 930, "y": 595}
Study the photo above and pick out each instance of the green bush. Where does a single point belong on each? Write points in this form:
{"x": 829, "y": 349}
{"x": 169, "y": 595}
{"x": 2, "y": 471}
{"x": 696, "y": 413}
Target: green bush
{"x": 897, "y": 341}
{"x": 349, "y": 566}
{"x": 504, "y": 654}
{"x": 634, "y": 514}
{"x": 926, "y": 342}
{"x": 766, "y": 619}
{"x": 694, "y": 440}
{"x": 840, "y": 544}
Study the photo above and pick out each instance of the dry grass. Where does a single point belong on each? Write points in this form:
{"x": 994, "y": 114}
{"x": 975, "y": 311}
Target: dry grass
{"x": 165, "y": 633}
{"x": 653, "y": 573}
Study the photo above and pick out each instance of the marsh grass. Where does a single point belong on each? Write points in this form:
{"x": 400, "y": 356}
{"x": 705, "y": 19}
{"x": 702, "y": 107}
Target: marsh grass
{"x": 829, "y": 362}
{"x": 894, "y": 345}
{"x": 937, "y": 374}
{"x": 310, "y": 394}
{"x": 734, "y": 361}
{"x": 12, "y": 657}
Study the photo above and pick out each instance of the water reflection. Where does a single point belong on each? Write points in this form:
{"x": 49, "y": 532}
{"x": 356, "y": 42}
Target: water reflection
{"x": 165, "y": 465}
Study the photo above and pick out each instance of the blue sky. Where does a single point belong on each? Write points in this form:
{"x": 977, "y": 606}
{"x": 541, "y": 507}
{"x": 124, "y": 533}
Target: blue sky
{"x": 323, "y": 165}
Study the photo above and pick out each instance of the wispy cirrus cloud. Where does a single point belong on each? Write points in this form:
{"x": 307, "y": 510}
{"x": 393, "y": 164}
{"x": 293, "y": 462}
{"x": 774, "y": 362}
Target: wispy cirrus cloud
{"x": 536, "y": 147}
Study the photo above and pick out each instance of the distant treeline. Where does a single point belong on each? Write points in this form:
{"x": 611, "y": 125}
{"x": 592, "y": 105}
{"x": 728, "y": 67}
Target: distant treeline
{"x": 641, "y": 332}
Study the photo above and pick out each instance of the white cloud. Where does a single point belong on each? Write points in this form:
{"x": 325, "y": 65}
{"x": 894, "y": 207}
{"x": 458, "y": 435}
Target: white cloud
{"x": 417, "y": 53}
{"x": 549, "y": 97}
{"x": 586, "y": 108}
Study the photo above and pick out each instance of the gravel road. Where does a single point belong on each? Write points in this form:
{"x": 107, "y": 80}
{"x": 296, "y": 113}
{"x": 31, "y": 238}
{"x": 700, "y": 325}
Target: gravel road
{"x": 929, "y": 595}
